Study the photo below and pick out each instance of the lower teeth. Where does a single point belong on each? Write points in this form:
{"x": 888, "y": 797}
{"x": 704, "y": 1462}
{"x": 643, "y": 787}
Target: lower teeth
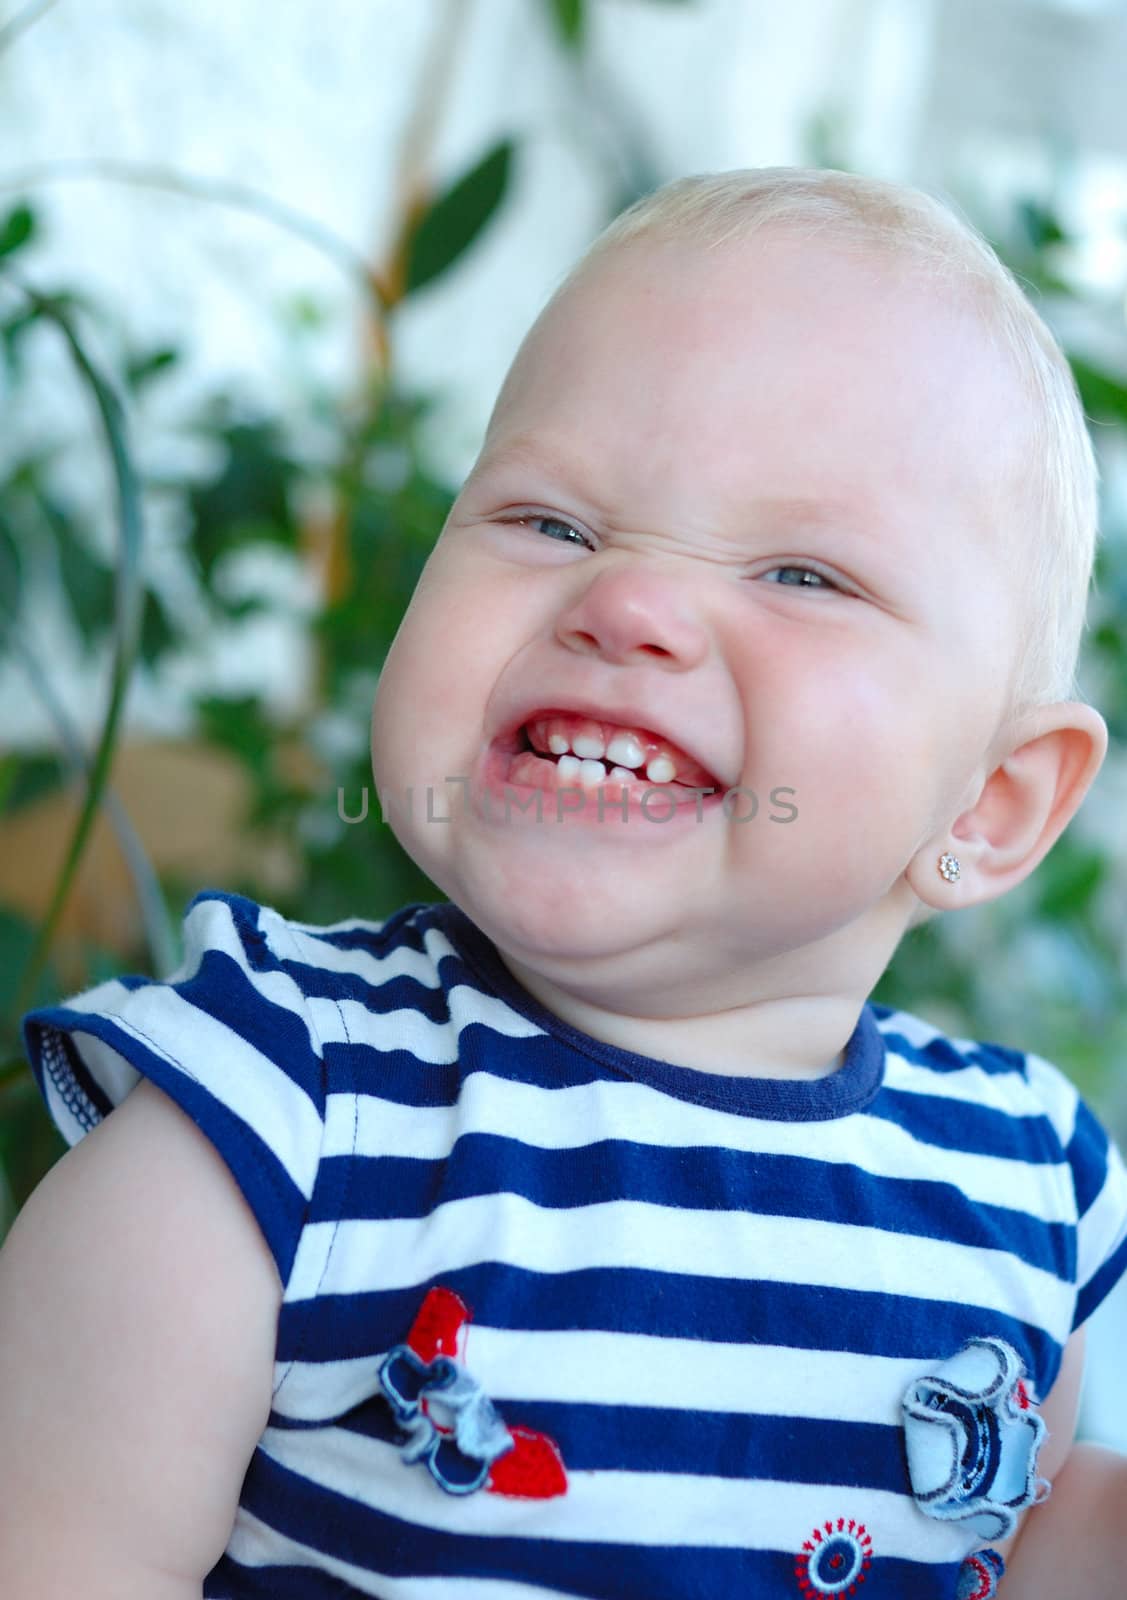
{"x": 590, "y": 773}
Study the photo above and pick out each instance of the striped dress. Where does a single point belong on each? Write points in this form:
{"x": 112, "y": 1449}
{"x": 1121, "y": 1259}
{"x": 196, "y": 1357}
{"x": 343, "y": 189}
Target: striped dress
{"x": 563, "y": 1320}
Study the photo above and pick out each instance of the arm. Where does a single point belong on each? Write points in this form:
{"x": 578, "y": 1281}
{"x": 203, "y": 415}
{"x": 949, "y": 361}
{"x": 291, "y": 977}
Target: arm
{"x": 138, "y": 1319}
{"x": 1076, "y": 1541}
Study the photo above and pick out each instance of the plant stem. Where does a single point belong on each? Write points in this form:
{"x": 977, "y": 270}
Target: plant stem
{"x": 23, "y": 20}
{"x": 126, "y": 617}
{"x": 217, "y": 191}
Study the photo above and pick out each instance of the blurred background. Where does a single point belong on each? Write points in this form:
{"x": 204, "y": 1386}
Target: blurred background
{"x": 262, "y": 269}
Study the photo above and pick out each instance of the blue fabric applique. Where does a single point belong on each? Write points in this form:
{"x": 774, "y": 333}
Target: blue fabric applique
{"x": 972, "y": 1439}
{"x": 451, "y": 1423}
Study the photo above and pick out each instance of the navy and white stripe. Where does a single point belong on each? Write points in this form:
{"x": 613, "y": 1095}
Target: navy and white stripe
{"x": 711, "y": 1292}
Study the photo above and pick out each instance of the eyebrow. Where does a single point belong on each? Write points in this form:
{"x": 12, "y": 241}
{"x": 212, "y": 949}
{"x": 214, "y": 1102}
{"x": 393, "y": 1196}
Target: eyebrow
{"x": 557, "y": 461}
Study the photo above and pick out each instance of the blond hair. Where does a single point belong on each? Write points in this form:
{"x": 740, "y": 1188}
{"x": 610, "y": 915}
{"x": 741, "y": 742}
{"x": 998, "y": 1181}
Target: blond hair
{"x": 1058, "y": 474}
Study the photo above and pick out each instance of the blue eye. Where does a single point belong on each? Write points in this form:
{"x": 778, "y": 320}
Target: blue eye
{"x": 802, "y": 578}
{"x": 567, "y": 533}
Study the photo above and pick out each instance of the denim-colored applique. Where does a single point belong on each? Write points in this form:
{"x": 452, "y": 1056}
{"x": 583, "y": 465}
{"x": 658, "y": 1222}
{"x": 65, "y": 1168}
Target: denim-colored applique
{"x": 972, "y": 1437}
{"x": 835, "y": 1559}
{"x": 452, "y": 1426}
{"x": 979, "y": 1576}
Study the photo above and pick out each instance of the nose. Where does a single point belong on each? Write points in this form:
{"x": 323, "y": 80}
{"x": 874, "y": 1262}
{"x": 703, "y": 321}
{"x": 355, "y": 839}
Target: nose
{"x": 635, "y": 614}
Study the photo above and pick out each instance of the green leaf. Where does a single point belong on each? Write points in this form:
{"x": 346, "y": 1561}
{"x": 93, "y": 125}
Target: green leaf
{"x": 1040, "y": 225}
{"x": 12, "y": 334}
{"x": 1109, "y": 638}
{"x": 248, "y": 501}
{"x": 570, "y": 21}
{"x": 1068, "y": 880}
{"x": 11, "y": 577}
{"x": 26, "y": 778}
{"x": 1103, "y": 395}
{"x": 17, "y": 229}
{"x": 157, "y": 633}
{"x": 239, "y": 724}
{"x": 246, "y": 605}
{"x": 454, "y": 221}
{"x": 826, "y": 138}
{"x": 87, "y": 582}
{"x": 144, "y": 368}
{"x": 17, "y": 938}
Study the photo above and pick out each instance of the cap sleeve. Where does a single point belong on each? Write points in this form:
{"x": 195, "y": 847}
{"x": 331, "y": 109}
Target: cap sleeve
{"x": 1100, "y": 1182}
{"x": 1099, "y": 1185}
{"x": 228, "y": 1037}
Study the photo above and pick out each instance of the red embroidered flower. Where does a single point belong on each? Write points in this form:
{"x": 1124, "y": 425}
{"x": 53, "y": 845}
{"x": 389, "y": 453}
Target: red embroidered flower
{"x": 834, "y": 1559}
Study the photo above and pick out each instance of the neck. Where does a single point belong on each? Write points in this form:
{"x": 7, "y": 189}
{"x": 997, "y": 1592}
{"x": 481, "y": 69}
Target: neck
{"x": 799, "y": 1037}
{"x": 788, "y": 1017}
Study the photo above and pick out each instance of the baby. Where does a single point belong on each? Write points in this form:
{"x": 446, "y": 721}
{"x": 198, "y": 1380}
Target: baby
{"x": 594, "y": 1234}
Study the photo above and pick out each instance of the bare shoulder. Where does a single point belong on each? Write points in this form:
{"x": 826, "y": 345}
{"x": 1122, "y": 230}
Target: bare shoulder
{"x": 138, "y": 1319}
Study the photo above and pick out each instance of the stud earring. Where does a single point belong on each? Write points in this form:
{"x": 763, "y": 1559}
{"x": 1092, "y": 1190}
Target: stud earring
{"x": 949, "y": 866}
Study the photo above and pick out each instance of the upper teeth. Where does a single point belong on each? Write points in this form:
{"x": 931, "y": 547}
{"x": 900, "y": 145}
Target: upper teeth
{"x": 625, "y": 751}
{"x": 582, "y": 759}
{"x": 589, "y": 747}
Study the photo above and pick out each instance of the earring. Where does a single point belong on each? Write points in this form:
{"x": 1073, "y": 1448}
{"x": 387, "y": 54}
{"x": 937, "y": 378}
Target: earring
{"x": 949, "y": 866}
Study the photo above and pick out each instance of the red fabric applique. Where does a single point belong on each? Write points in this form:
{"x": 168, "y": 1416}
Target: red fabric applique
{"x": 530, "y": 1469}
{"x": 436, "y": 1329}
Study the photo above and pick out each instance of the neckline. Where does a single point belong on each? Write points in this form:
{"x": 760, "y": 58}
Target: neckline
{"x": 850, "y": 1089}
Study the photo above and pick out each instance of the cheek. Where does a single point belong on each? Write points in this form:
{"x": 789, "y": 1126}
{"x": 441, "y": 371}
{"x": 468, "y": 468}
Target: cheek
{"x": 852, "y": 733}
{"x": 410, "y": 680}
{"x": 819, "y": 694}
{"x": 438, "y": 674}
{"x": 421, "y": 702}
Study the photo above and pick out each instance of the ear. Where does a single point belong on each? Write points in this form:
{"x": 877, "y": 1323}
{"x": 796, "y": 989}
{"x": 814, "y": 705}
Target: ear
{"x": 1051, "y": 757}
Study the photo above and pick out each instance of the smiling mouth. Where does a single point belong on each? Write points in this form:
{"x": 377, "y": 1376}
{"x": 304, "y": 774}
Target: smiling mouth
{"x": 593, "y": 753}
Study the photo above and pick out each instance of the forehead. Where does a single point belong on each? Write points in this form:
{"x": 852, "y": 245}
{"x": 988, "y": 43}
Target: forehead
{"x": 821, "y": 378}
{"x": 553, "y": 461}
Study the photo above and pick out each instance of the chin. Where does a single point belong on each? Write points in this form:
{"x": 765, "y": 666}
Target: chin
{"x": 546, "y": 922}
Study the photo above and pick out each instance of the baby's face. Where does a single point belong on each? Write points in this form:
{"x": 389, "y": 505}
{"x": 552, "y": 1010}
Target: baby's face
{"x": 732, "y": 523}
